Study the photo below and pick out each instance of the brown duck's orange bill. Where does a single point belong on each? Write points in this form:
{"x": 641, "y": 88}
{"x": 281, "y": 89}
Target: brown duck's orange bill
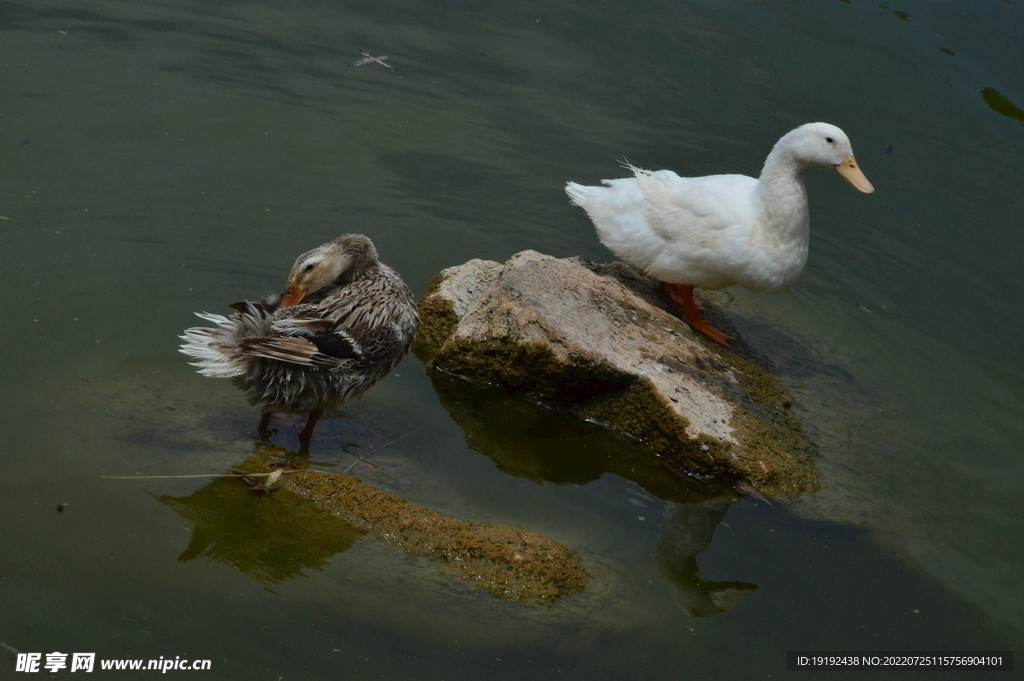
{"x": 292, "y": 296}
{"x": 851, "y": 171}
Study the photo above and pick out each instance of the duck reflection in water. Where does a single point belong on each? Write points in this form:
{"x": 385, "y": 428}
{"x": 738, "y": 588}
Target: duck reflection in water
{"x": 270, "y": 538}
{"x": 686, "y": 530}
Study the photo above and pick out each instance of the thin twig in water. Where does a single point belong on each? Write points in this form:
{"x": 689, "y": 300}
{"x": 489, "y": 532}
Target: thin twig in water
{"x": 387, "y": 444}
{"x": 253, "y": 475}
{"x": 200, "y": 475}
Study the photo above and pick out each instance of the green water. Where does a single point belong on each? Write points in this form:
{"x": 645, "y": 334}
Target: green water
{"x": 162, "y": 158}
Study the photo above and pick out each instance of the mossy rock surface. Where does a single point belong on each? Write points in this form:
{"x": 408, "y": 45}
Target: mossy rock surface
{"x": 598, "y": 341}
{"x": 510, "y": 562}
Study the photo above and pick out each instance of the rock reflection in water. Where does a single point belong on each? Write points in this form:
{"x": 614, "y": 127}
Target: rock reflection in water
{"x": 269, "y": 537}
{"x": 546, "y": 446}
{"x": 686, "y": 530}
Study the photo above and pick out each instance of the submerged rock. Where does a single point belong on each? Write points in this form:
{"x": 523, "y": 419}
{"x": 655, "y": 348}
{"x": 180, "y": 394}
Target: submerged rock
{"x": 599, "y": 342}
{"x": 510, "y": 562}
{"x": 320, "y": 514}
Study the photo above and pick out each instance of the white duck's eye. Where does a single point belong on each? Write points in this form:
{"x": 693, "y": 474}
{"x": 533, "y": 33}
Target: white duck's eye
{"x": 829, "y": 140}
{"x": 308, "y": 268}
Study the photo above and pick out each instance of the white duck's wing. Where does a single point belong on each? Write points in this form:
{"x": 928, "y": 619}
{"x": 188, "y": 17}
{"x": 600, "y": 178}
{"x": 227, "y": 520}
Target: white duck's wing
{"x": 695, "y": 210}
{"x": 674, "y": 228}
{"x": 702, "y": 225}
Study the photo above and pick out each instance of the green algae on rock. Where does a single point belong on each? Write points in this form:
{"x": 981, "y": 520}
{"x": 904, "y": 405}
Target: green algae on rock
{"x": 597, "y": 341}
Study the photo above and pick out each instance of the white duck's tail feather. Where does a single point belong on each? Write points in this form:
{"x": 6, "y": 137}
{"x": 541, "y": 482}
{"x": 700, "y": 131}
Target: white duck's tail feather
{"x": 578, "y": 193}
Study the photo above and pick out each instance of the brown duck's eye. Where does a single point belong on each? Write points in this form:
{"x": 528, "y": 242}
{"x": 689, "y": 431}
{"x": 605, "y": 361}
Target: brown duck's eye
{"x": 308, "y": 268}
{"x": 829, "y": 140}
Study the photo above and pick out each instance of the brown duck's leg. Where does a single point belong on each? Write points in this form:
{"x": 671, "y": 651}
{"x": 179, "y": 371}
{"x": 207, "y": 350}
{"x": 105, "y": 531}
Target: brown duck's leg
{"x": 314, "y": 416}
{"x": 264, "y": 422}
{"x": 691, "y": 309}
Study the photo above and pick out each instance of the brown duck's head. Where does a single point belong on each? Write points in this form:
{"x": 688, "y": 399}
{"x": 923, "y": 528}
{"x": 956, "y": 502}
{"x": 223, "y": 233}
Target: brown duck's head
{"x": 342, "y": 261}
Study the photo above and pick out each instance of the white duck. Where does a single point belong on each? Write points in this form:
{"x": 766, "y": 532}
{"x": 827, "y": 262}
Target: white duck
{"x": 719, "y": 230}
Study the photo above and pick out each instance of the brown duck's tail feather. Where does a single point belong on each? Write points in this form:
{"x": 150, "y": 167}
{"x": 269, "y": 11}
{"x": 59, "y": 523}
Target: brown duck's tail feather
{"x": 293, "y": 350}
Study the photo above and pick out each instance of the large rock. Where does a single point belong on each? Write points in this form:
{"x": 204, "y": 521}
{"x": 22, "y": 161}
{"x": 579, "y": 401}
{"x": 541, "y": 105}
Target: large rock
{"x": 599, "y": 342}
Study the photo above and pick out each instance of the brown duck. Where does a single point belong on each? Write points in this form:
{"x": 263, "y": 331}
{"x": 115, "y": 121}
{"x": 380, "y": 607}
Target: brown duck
{"x": 344, "y": 321}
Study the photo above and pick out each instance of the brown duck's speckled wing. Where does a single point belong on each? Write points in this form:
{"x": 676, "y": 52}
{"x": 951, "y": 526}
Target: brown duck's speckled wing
{"x": 301, "y": 335}
{"x": 381, "y": 344}
{"x": 376, "y": 315}
{"x": 293, "y": 350}
{"x": 354, "y": 327}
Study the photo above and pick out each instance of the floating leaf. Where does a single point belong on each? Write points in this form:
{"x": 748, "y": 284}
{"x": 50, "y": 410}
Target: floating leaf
{"x": 1001, "y": 105}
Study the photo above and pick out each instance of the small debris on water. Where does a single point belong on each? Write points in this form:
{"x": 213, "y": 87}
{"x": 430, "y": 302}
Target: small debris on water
{"x": 255, "y": 485}
{"x": 370, "y": 59}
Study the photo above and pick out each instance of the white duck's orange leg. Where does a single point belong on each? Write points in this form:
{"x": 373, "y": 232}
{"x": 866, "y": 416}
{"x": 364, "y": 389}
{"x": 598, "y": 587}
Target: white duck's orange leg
{"x": 691, "y": 309}
{"x": 682, "y": 295}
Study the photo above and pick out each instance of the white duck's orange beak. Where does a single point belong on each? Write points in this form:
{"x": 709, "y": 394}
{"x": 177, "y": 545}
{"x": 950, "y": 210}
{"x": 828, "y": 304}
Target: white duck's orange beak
{"x": 851, "y": 171}
{"x": 292, "y": 296}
